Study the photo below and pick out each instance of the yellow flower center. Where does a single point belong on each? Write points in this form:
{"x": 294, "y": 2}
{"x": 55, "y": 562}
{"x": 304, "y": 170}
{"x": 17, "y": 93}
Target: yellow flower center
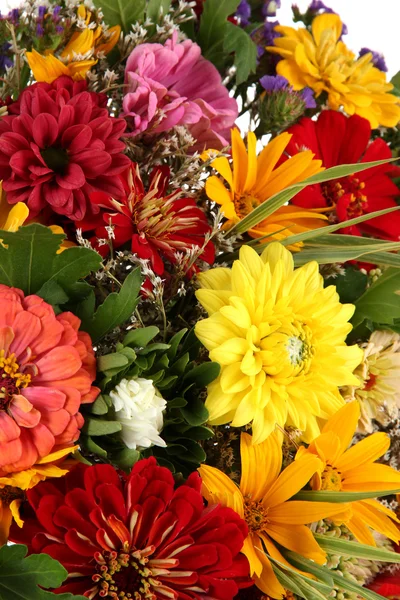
{"x": 244, "y": 204}
{"x": 255, "y": 515}
{"x": 11, "y": 379}
{"x": 10, "y": 493}
{"x": 331, "y": 479}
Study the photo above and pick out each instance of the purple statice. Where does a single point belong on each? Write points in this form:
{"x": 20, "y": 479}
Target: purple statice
{"x": 280, "y": 105}
{"x": 377, "y": 58}
{"x": 270, "y": 7}
{"x": 56, "y": 13}
{"x": 308, "y": 97}
{"x": 316, "y": 7}
{"x": 5, "y": 60}
{"x": 243, "y": 13}
{"x": 41, "y": 12}
{"x": 264, "y": 36}
{"x": 274, "y": 83}
{"x": 13, "y": 16}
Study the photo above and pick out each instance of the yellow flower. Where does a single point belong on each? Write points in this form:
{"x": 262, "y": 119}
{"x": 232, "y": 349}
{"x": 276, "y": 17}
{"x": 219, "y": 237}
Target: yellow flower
{"x": 262, "y": 500}
{"x": 66, "y": 243}
{"x": 279, "y": 337}
{"x": 12, "y": 216}
{"x": 88, "y": 43}
{"x": 13, "y": 485}
{"x": 378, "y": 391}
{"x": 321, "y": 61}
{"x": 355, "y": 470}
{"x": 254, "y": 179}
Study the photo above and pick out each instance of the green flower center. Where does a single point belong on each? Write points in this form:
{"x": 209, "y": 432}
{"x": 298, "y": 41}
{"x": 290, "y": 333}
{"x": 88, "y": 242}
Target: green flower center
{"x": 55, "y": 158}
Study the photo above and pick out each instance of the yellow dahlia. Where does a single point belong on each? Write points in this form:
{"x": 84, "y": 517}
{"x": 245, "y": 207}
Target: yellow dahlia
{"x": 253, "y": 179}
{"x": 321, "y": 61}
{"x": 79, "y": 55}
{"x": 378, "y": 391}
{"x": 13, "y": 486}
{"x": 354, "y": 470}
{"x": 262, "y": 500}
{"x": 279, "y": 337}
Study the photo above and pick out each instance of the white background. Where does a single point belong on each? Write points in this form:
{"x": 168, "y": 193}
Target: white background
{"x": 374, "y": 24}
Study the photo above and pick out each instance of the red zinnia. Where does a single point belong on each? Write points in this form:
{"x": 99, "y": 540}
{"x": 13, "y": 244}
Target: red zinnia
{"x": 58, "y": 145}
{"x": 136, "y": 536}
{"x": 337, "y": 140}
{"x": 156, "y": 224}
{"x": 387, "y": 585}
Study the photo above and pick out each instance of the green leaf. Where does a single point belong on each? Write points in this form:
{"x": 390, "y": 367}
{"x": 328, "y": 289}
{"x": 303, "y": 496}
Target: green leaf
{"x": 354, "y": 549}
{"x": 328, "y": 496}
{"x": 122, "y": 12}
{"x": 98, "y": 427}
{"x": 174, "y": 343}
{"x": 20, "y": 575}
{"x": 111, "y": 361}
{"x": 327, "y": 255}
{"x": 203, "y": 374}
{"x": 381, "y": 302}
{"x": 238, "y": 41}
{"x": 139, "y": 338}
{"x": 126, "y": 458}
{"x": 116, "y": 308}
{"x": 396, "y": 82}
{"x": 157, "y": 7}
{"x": 91, "y": 446}
{"x": 213, "y": 21}
{"x": 100, "y": 406}
{"x": 265, "y": 209}
{"x": 350, "y": 285}
{"x": 195, "y": 412}
{"x": 73, "y": 264}
{"x": 53, "y": 293}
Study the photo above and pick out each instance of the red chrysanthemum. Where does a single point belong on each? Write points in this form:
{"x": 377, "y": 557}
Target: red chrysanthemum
{"x": 58, "y": 145}
{"x": 337, "y": 140}
{"x": 157, "y": 225}
{"x": 136, "y": 536}
{"x": 47, "y": 367}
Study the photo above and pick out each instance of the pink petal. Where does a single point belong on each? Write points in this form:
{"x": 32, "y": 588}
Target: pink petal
{"x": 57, "y": 421}
{"x": 23, "y": 412}
{"x": 46, "y": 399}
{"x": 9, "y": 430}
{"x": 6, "y": 337}
{"x": 26, "y": 329}
{"x": 59, "y": 363}
{"x": 9, "y": 453}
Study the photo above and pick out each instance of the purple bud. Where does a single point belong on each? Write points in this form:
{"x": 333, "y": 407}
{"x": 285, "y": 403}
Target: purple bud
{"x": 270, "y": 7}
{"x": 13, "y": 16}
{"x": 274, "y": 83}
{"x": 243, "y": 11}
{"x": 377, "y": 58}
{"x": 39, "y": 30}
{"x": 308, "y": 97}
{"x": 56, "y": 13}
{"x": 41, "y": 12}
{"x": 59, "y": 29}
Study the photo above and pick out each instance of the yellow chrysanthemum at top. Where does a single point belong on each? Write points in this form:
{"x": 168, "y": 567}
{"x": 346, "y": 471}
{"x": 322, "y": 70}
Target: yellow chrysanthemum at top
{"x": 263, "y": 500}
{"x": 279, "y": 337}
{"x": 321, "y": 61}
{"x": 79, "y": 55}
{"x": 253, "y": 179}
{"x": 354, "y": 470}
{"x": 13, "y": 485}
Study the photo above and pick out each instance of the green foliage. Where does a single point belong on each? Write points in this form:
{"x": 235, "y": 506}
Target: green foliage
{"x": 115, "y": 310}
{"x": 381, "y": 302}
{"x": 239, "y": 42}
{"x": 29, "y": 261}
{"x": 356, "y": 550}
{"x": 331, "y": 496}
{"x": 396, "y": 82}
{"x": 178, "y": 378}
{"x": 20, "y": 575}
{"x": 121, "y": 12}
{"x": 155, "y": 7}
{"x": 350, "y": 286}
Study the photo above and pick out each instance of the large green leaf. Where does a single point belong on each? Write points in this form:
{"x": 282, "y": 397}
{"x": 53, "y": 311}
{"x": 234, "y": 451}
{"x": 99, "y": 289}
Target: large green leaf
{"x": 213, "y": 23}
{"x": 328, "y": 496}
{"x": 122, "y": 12}
{"x": 354, "y": 549}
{"x": 20, "y": 575}
{"x": 265, "y": 209}
{"x": 29, "y": 260}
{"x": 116, "y": 308}
{"x": 155, "y": 8}
{"x": 240, "y": 43}
{"x": 381, "y": 302}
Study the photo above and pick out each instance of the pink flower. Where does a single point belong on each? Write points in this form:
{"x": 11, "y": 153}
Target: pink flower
{"x": 173, "y": 84}
{"x": 58, "y": 145}
{"x": 47, "y": 368}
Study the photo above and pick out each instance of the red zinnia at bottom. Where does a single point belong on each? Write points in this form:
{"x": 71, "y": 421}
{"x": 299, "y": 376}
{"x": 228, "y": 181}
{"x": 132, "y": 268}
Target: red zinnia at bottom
{"x": 136, "y": 536}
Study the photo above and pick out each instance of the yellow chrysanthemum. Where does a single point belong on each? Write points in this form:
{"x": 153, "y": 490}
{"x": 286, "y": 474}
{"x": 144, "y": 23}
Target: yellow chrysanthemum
{"x": 378, "y": 391}
{"x": 262, "y": 500}
{"x": 355, "y": 470}
{"x": 279, "y": 337}
{"x": 13, "y": 485}
{"x": 254, "y": 179}
{"x": 321, "y": 61}
{"x": 88, "y": 43}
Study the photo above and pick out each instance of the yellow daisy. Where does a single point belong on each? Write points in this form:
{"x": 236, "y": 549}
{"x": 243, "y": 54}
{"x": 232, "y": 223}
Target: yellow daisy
{"x": 354, "y": 470}
{"x": 321, "y": 61}
{"x": 13, "y": 485}
{"x": 254, "y": 179}
{"x": 262, "y": 500}
{"x": 279, "y": 337}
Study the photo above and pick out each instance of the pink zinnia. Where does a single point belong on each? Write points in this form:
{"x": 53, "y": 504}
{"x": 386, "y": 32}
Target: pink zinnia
{"x": 47, "y": 368}
{"x": 58, "y": 145}
{"x": 173, "y": 84}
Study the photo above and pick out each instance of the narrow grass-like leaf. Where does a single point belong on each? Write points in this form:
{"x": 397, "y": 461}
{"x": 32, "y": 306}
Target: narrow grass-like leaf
{"x": 328, "y": 496}
{"x": 265, "y": 209}
{"x": 328, "y": 255}
{"x": 346, "y": 548}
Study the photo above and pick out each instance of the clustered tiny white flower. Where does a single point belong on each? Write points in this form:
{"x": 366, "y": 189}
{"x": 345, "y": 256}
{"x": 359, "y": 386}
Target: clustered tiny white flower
{"x": 139, "y": 408}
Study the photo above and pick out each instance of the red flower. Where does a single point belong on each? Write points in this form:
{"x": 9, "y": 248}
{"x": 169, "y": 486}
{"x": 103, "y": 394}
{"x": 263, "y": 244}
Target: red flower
{"x": 136, "y": 535}
{"x": 387, "y": 585}
{"x": 337, "y": 140}
{"x": 157, "y": 225}
{"x": 58, "y": 145}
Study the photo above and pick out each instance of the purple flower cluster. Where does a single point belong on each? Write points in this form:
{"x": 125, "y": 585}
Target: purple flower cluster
{"x": 377, "y": 58}
{"x": 277, "y": 83}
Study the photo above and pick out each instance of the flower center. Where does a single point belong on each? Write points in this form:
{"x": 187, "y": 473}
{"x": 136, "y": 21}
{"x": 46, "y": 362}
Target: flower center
{"x": 244, "y": 204}
{"x": 333, "y": 192}
{"x": 11, "y": 380}
{"x": 125, "y": 575}
{"x": 331, "y": 479}
{"x": 255, "y": 515}
{"x": 55, "y": 158}
{"x": 297, "y": 350}
{"x": 8, "y": 494}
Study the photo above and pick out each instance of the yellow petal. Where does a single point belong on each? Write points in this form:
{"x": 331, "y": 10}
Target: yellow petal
{"x": 292, "y": 480}
{"x": 239, "y": 156}
{"x": 297, "y": 538}
{"x": 54, "y": 456}
{"x": 217, "y": 192}
{"x": 251, "y": 177}
{"x": 251, "y": 549}
{"x": 5, "y": 523}
{"x": 216, "y": 279}
{"x": 221, "y": 164}
{"x": 327, "y": 446}
{"x": 368, "y": 450}
{"x": 371, "y": 477}
{"x": 326, "y": 21}
{"x": 303, "y": 513}
{"x": 374, "y": 518}
{"x": 267, "y": 160}
{"x": 12, "y": 217}
{"x": 218, "y": 488}
{"x": 261, "y": 465}
{"x": 344, "y": 423}
{"x": 46, "y": 68}
{"x": 14, "y": 508}
{"x": 268, "y": 582}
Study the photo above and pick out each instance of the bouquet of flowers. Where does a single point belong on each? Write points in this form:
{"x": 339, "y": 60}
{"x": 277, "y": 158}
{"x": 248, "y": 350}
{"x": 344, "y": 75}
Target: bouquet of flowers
{"x": 199, "y": 304}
